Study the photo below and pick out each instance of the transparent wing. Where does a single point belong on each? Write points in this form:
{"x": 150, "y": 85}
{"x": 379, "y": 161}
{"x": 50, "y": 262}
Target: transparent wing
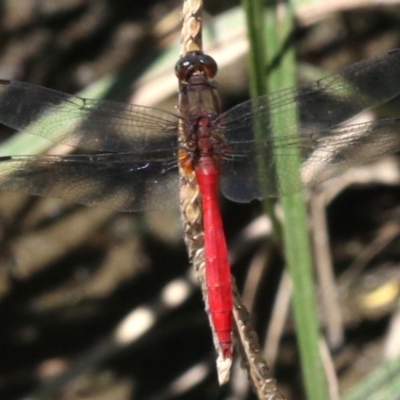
{"x": 324, "y": 155}
{"x": 123, "y": 181}
{"x": 320, "y": 107}
{"x": 135, "y": 169}
{"x": 96, "y": 125}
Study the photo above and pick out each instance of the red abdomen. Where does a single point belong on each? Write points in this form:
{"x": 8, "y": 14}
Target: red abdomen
{"x": 218, "y": 274}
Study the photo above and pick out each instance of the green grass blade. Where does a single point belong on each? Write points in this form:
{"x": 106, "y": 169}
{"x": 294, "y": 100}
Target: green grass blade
{"x": 254, "y": 13}
{"x": 269, "y": 42}
{"x": 296, "y": 240}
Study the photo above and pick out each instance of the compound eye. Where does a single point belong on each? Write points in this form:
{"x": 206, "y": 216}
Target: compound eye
{"x": 195, "y": 62}
{"x": 185, "y": 66}
{"x": 208, "y": 64}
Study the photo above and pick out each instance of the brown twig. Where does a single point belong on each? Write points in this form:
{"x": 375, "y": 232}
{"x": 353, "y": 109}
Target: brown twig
{"x": 191, "y": 39}
{"x": 192, "y": 217}
{"x": 263, "y": 384}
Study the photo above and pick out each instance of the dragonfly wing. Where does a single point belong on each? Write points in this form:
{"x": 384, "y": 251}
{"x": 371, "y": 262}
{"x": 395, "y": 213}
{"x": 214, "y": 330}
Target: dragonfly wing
{"x": 347, "y": 146}
{"x": 319, "y": 106}
{"x": 125, "y": 181}
{"x": 322, "y": 104}
{"x": 97, "y": 125}
{"x": 248, "y": 171}
{"x": 324, "y": 155}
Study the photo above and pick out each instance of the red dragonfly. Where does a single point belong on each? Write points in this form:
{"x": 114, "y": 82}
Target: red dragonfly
{"x": 135, "y": 152}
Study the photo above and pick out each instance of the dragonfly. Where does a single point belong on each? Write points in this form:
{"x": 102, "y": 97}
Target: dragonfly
{"x": 128, "y": 157}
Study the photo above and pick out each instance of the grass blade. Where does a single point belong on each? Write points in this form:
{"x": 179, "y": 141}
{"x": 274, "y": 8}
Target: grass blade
{"x": 270, "y": 45}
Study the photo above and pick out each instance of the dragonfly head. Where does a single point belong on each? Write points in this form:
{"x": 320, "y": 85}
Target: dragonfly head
{"x": 195, "y": 64}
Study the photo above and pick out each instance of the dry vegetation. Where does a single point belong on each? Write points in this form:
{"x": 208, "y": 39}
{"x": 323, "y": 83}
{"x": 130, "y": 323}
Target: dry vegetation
{"x": 70, "y": 276}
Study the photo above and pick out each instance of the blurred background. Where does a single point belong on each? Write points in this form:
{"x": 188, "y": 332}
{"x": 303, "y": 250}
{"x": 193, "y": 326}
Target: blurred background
{"x": 96, "y": 304}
